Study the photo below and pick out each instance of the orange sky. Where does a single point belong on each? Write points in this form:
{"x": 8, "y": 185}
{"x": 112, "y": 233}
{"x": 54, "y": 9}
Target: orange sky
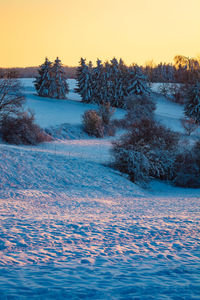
{"x": 136, "y": 30}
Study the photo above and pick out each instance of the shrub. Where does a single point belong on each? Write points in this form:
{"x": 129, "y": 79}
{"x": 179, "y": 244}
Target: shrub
{"x": 92, "y": 123}
{"x": 99, "y": 123}
{"x": 187, "y": 169}
{"x": 161, "y": 164}
{"x": 133, "y": 162}
{"x": 22, "y": 130}
{"x": 149, "y": 132}
{"x": 163, "y": 89}
{"x": 177, "y": 93}
{"x": 138, "y": 108}
{"x": 106, "y": 112}
{"x": 147, "y": 150}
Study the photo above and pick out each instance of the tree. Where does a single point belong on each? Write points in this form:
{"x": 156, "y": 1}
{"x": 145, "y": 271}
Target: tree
{"x": 98, "y": 83}
{"x": 190, "y": 66}
{"x": 192, "y": 106}
{"x": 84, "y": 79}
{"x": 117, "y": 76}
{"x": 58, "y": 87}
{"x": 43, "y": 81}
{"x": 136, "y": 82}
{"x": 189, "y": 125}
{"x": 11, "y": 97}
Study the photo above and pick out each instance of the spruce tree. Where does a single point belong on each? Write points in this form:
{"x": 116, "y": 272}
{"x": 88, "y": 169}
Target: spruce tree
{"x": 192, "y": 106}
{"x": 58, "y": 86}
{"x": 84, "y": 79}
{"x": 97, "y": 83}
{"x": 121, "y": 85}
{"x": 136, "y": 82}
{"x": 115, "y": 79}
{"x": 42, "y": 82}
{"x": 107, "y": 84}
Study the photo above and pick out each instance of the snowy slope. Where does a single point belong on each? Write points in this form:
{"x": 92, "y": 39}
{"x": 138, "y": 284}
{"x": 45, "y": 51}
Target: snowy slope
{"x": 73, "y": 228}
{"x": 47, "y": 110}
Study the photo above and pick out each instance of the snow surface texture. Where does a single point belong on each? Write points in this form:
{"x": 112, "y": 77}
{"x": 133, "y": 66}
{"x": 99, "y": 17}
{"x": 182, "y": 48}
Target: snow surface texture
{"x": 73, "y": 228}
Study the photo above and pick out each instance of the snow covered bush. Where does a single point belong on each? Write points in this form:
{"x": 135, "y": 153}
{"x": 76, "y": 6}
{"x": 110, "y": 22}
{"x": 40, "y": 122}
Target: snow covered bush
{"x": 11, "y": 97}
{"x": 106, "y": 112}
{"x": 21, "y": 129}
{"x": 139, "y": 108}
{"x": 92, "y": 123}
{"x": 147, "y": 150}
{"x": 187, "y": 168}
{"x": 98, "y": 123}
{"x": 177, "y": 93}
{"x": 133, "y": 161}
{"x": 163, "y": 89}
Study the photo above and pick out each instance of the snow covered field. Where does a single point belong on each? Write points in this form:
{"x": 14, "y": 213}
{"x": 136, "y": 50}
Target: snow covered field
{"x": 73, "y": 228}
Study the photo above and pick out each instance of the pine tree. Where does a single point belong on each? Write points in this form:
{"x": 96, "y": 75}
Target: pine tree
{"x": 136, "y": 82}
{"x": 84, "y": 79}
{"x": 122, "y": 83}
{"x": 192, "y": 107}
{"x": 42, "y": 82}
{"x": 107, "y": 83}
{"x": 97, "y": 83}
{"x": 115, "y": 80}
{"x": 58, "y": 86}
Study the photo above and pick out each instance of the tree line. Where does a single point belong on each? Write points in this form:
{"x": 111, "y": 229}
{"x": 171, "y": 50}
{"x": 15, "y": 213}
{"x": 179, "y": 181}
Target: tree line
{"x": 110, "y": 82}
{"x": 184, "y": 70}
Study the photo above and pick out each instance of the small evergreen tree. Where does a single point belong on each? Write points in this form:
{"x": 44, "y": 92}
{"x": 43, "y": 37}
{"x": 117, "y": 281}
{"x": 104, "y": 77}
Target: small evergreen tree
{"x": 97, "y": 83}
{"x": 58, "y": 87}
{"x": 84, "y": 79}
{"x": 136, "y": 82}
{"x": 192, "y": 107}
{"x": 117, "y": 80}
{"x": 122, "y": 83}
{"x": 107, "y": 83}
{"x": 42, "y": 82}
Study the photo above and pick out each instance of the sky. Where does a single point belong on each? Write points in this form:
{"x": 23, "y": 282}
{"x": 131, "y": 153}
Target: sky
{"x": 135, "y": 30}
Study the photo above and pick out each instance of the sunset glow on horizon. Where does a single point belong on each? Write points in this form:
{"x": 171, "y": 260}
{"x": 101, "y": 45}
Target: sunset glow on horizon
{"x": 134, "y": 30}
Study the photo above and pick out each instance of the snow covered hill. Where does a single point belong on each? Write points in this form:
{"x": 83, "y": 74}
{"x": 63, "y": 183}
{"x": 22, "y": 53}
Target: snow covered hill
{"x": 73, "y": 228}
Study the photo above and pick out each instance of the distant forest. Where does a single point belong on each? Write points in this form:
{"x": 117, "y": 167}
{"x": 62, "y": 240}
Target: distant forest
{"x": 184, "y": 69}
{"x": 32, "y": 72}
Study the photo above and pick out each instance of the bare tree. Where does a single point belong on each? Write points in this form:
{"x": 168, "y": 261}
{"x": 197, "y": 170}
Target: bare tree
{"x": 11, "y": 97}
{"x": 189, "y": 125}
